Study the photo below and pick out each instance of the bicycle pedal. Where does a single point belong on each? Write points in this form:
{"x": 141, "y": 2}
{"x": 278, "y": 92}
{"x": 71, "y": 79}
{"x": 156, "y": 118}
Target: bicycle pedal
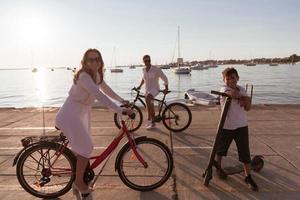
{"x": 132, "y": 157}
{"x": 157, "y": 118}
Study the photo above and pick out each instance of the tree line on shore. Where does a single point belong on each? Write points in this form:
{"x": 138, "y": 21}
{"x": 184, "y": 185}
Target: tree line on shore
{"x": 294, "y": 58}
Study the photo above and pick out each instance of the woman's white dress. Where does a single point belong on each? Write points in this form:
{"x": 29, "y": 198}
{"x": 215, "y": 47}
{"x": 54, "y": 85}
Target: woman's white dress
{"x": 74, "y": 117}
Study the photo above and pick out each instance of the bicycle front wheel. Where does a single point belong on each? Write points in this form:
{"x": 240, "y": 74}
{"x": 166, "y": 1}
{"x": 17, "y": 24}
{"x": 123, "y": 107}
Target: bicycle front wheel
{"x": 176, "y": 117}
{"x": 44, "y": 172}
{"x": 138, "y": 177}
{"x": 134, "y": 124}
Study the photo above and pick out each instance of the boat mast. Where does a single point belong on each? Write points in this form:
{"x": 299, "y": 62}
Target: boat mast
{"x": 179, "y": 60}
{"x": 178, "y": 35}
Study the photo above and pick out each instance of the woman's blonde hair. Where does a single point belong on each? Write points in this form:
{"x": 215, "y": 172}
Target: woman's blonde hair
{"x": 84, "y": 67}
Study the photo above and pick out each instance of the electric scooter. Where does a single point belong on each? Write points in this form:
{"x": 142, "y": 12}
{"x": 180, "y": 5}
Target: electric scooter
{"x": 257, "y": 162}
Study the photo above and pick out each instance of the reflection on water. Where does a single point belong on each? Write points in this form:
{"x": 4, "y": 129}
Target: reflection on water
{"x": 22, "y": 88}
{"x": 40, "y": 87}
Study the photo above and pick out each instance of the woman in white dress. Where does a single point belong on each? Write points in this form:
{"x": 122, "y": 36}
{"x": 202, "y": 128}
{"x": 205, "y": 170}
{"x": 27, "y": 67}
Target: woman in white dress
{"x": 73, "y": 118}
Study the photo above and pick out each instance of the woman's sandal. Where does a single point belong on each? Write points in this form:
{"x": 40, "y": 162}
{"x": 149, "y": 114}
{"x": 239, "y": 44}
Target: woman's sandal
{"x": 76, "y": 191}
{"x": 85, "y": 194}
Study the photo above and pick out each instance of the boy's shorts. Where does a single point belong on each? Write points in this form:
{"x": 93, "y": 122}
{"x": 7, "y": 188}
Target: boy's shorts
{"x": 241, "y": 138}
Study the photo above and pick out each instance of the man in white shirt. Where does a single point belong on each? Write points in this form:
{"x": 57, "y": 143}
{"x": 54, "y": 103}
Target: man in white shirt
{"x": 151, "y": 76}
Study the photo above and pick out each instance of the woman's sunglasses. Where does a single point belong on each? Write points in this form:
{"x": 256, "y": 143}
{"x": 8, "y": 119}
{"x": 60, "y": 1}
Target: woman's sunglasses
{"x": 90, "y": 60}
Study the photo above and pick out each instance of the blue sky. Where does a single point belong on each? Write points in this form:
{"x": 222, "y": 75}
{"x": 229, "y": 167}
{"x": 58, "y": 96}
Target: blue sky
{"x": 56, "y": 33}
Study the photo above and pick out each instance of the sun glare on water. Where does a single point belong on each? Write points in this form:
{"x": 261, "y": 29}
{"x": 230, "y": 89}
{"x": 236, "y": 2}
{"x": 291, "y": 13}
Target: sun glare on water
{"x": 40, "y": 86}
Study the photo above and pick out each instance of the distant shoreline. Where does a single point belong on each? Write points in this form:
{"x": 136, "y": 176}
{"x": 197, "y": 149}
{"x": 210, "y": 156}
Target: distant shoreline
{"x": 292, "y": 59}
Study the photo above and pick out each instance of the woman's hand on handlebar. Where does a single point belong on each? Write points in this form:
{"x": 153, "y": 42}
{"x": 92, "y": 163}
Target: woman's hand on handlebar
{"x": 125, "y": 103}
{"x": 128, "y": 112}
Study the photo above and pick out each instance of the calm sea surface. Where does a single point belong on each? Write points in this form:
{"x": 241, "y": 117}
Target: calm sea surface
{"x": 23, "y": 88}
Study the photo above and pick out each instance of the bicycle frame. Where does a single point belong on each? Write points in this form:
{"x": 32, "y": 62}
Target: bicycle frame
{"x": 114, "y": 144}
{"x": 161, "y": 102}
{"x": 99, "y": 159}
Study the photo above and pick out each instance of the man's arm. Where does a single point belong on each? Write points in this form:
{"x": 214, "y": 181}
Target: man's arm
{"x": 141, "y": 84}
{"x": 164, "y": 78}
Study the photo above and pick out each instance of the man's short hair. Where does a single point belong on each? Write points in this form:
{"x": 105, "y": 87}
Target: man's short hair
{"x": 146, "y": 56}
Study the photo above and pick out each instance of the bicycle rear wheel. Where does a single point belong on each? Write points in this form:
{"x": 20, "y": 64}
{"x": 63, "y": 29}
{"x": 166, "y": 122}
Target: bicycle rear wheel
{"x": 134, "y": 124}
{"x": 39, "y": 175}
{"x": 159, "y": 160}
{"x": 176, "y": 117}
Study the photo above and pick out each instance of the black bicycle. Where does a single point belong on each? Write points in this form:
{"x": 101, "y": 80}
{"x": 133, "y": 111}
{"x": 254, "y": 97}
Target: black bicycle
{"x": 176, "y": 116}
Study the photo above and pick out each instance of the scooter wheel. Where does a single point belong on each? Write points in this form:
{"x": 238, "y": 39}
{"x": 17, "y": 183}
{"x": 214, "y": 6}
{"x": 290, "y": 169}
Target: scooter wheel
{"x": 257, "y": 163}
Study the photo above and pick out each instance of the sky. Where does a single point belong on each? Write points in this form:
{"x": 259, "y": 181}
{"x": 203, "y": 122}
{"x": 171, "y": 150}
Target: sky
{"x": 53, "y": 33}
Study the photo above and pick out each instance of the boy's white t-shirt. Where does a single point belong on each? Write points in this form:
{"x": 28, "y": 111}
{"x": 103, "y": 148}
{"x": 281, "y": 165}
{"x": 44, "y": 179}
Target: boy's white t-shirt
{"x": 236, "y": 116}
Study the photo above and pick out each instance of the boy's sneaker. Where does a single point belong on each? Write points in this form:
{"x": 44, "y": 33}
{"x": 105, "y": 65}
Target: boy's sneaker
{"x": 250, "y": 182}
{"x": 148, "y": 123}
{"x": 151, "y": 125}
{"x": 221, "y": 174}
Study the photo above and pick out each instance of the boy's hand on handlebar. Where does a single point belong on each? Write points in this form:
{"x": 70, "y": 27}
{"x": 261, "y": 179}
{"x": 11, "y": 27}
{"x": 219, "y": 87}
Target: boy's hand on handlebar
{"x": 235, "y": 94}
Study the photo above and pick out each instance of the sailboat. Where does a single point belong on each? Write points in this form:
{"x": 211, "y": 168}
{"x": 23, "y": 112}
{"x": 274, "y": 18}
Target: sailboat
{"x": 165, "y": 67}
{"x": 180, "y": 69}
{"x": 198, "y": 66}
{"x": 115, "y": 69}
{"x": 251, "y": 63}
{"x": 212, "y": 65}
{"x": 273, "y": 63}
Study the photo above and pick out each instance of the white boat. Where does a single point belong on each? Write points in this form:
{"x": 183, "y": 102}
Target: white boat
{"x": 273, "y": 63}
{"x": 180, "y": 69}
{"x": 202, "y": 98}
{"x": 212, "y": 65}
{"x": 116, "y": 70}
{"x": 251, "y": 63}
{"x": 165, "y": 67}
{"x": 198, "y": 67}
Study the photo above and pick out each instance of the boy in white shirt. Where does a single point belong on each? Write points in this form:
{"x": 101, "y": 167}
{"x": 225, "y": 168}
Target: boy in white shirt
{"x": 151, "y": 76}
{"x": 236, "y": 126}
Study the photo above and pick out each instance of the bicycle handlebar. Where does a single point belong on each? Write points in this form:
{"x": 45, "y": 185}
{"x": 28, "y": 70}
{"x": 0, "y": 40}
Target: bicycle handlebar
{"x": 138, "y": 90}
{"x": 135, "y": 89}
{"x": 219, "y": 93}
{"x": 131, "y": 115}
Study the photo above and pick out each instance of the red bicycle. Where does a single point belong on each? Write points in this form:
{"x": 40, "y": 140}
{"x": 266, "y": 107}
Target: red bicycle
{"x": 46, "y": 166}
